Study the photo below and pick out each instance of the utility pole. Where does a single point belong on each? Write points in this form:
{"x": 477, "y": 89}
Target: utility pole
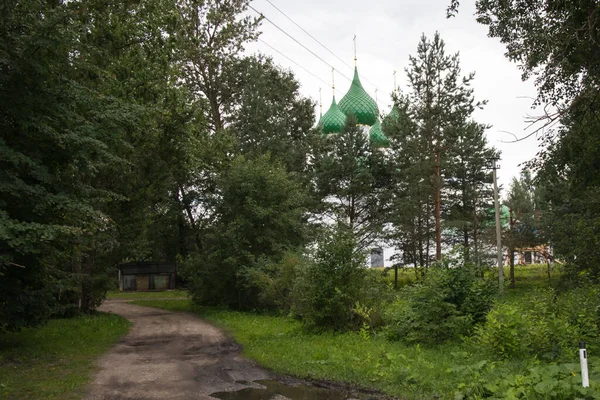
{"x": 498, "y": 231}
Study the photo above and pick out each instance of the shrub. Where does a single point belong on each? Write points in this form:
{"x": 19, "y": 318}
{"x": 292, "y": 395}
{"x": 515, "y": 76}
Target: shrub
{"x": 545, "y": 326}
{"x": 375, "y": 293}
{"x": 334, "y": 290}
{"x": 260, "y": 216}
{"x": 449, "y": 301}
{"x": 504, "y": 331}
{"x": 274, "y": 281}
{"x": 549, "y": 381}
{"x": 209, "y": 282}
{"x": 581, "y": 307}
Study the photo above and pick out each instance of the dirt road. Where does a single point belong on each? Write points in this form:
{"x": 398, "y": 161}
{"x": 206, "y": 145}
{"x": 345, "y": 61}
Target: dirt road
{"x": 169, "y": 355}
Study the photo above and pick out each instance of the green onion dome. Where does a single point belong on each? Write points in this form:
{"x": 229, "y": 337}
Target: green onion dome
{"x": 393, "y": 115}
{"x": 504, "y": 216}
{"x": 390, "y": 120}
{"x": 358, "y": 102}
{"x": 377, "y": 136}
{"x": 334, "y": 119}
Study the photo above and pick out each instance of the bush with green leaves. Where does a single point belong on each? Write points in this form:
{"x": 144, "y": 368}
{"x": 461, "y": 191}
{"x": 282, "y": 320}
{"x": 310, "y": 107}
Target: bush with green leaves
{"x": 334, "y": 290}
{"x": 274, "y": 281}
{"x": 541, "y": 381}
{"x": 581, "y": 307}
{"x": 261, "y": 217}
{"x": 545, "y": 325}
{"x": 445, "y": 305}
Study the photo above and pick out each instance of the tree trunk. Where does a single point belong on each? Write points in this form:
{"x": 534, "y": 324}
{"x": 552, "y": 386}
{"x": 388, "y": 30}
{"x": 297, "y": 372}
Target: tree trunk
{"x": 180, "y": 225}
{"x": 351, "y": 212}
{"x": 420, "y": 239}
{"x": 216, "y": 113}
{"x": 466, "y": 242}
{"x": 188, "y": 210}
{"x": 416, "y": 269}
{"x": 438, "y": 207}
{"x": 428, "y": 238}
{"x": 396, "y": 276}
{"x": 182, "y": 240}
{"x": 511, "y": 254}
{"x": 465, "y": 200}
{"x": 475, "y": 232}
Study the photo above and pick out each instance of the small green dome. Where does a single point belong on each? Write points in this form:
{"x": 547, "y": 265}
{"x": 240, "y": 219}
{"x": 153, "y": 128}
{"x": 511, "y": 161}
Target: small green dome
{"x": 504, "y": 216}
{"x": 334, "y": 119}
{"x": 377, "y": 137}
{"x": 358, "y": 102}
{"x": 390, "y": 120}
{"x": 393, "y": 115}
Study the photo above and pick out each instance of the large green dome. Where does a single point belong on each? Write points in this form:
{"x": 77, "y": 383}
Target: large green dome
{"x": 358, "y": 102}
{"x": 377, "y": 137}
{"x": 334, "y": 119}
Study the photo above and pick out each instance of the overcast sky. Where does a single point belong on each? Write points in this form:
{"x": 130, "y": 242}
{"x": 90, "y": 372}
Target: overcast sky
{"x": 388, "y": 31}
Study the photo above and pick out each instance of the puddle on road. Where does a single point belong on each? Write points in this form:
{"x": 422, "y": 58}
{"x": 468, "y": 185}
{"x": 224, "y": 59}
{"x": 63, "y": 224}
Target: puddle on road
{"x": 274, "y": 390}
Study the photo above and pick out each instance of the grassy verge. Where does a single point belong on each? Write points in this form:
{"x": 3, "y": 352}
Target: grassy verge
{"x": 282, "y": 345}
{"x": 409, "y": 372}
{"x": 526, "y": 276}
{"x": 56, "y": 361}
{"x": 167, "y": 294}
{"x": 406, "y": 276}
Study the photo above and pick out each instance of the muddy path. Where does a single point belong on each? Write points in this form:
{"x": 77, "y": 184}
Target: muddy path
{"x": 169, "y": 355}
{"x": 177, "y": 356}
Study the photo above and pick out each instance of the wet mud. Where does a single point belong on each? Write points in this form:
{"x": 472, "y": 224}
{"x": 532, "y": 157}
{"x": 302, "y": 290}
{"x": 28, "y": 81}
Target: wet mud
{"x": 277, "y": 390}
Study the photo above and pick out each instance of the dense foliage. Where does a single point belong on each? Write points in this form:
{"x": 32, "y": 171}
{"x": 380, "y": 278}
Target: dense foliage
{"x": 353, "y": 179}
{"x": 556, "y": 44}
{"x": 546, "y": 327}
{"x": 135, "y": 131}
{"x": 445, "y": 305}
{"x": 119, "y": 123}
{"x": 259, "y": 212}
{"x": 441, "y": 187}
{"x": 333, "y": 290}
{"x": 64, "y": 131}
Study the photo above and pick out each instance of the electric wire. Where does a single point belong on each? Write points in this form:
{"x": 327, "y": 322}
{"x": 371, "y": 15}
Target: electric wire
{"x": 316, "y": 40}
{"x": 298, "y": 42}
{"x": 304, "y": 68}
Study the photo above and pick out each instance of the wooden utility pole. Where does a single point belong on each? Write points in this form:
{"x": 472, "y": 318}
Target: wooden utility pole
{"x": 498, "y": 230}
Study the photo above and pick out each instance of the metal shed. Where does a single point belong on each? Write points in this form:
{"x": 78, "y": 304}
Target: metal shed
{"x": 147, "y": 275}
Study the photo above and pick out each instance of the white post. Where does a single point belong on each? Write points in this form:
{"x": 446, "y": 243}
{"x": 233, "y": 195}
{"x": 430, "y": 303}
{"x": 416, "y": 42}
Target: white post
{"x": 585, "y": 378}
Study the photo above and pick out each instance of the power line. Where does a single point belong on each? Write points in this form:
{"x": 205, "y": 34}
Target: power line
{"x": 304, "y": 68}
{"x": 295, "y": 40}
{"x": 311, "y": 36}
{"x": 316, "y": 40}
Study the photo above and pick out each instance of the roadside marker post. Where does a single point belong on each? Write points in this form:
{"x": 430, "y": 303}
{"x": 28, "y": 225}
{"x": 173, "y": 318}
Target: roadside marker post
{"x": 585, "y": 378}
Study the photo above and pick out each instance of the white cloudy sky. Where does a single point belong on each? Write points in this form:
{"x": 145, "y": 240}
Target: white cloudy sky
{"x": 387, "y": 33}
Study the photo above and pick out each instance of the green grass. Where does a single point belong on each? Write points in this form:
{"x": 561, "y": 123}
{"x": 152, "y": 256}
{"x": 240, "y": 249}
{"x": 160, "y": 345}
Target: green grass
{"x": 406, "y": 276}
{"x": 410, "y": 372}
{"x": 168, "y": 294}
{"x": 528, "y": 278}
{"x": 57, "y": 360}
{"x": 283, "y": 345}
